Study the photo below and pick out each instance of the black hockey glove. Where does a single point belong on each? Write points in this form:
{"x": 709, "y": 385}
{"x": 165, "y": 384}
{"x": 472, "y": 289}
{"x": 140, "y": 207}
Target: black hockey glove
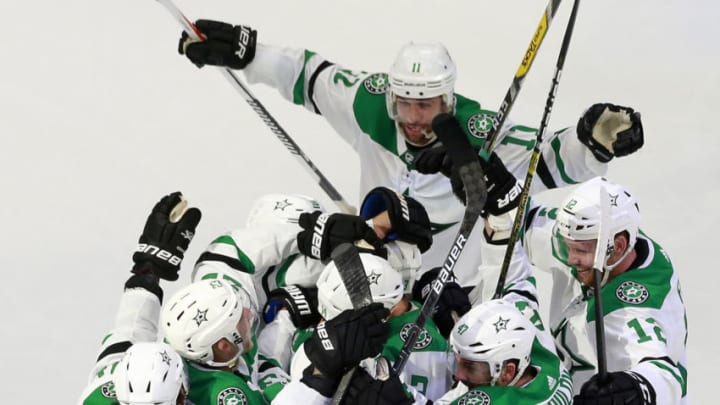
{"x": 502, "y": 187}
{"x": 342, "y": 342}
{"x": 434, "y": 160}
{"x": 363, "y": 389}
{"x": 165, "y": 239}
{"x": 620, "y": 388}
{"x": 323, "y": 232}
{"x": 453, "y": 299}
{"x": 610, "y": 130}
{"x": 300, "y": 302}
{"x": 408, "y": 218}
{"x": 225, "y": 45}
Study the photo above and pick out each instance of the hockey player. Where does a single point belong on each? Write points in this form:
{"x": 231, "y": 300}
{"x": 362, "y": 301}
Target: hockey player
{"x": 426, "y": 371}
{"x": 500, "y": 360}
{"x": 264, "y": 253}
{"x": 211, "y": 324}
{"x": 386, "y": 119}
{"x": 643, "y": 310}
{"x": 130, "y": 355}
{"x": 644, "y": 315}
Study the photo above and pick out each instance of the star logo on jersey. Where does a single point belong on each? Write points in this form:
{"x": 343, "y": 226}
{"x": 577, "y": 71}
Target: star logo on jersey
{"x": 423, "y": 340}
{"x": 373, "y": 278}
{"x": 632, "y": 292}
{"x": 501, "y": 324}
{"x": 232, "y": 396}
{"x": 200, "y": 317}
{"x": 108, "y": 390}
{"x": 613, "y": 199}
{"x": 480, "y": 125}
{"x": 281, "y": 205}
{"x": 164, "y": 357}
{"x": 187, "y": 234}
{"x": 475, "y": 398}
{"x": 376, "y": 83}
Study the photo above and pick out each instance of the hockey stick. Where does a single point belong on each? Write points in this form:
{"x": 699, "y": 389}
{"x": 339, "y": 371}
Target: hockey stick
{"x": 347, "y": 260}
{"x": 525, "y": 64}
{"x": 261, "y": 111}
{"x": 601, "y": 249}
{"x": 525, "y": 195}
{"x": 465, "y": 160}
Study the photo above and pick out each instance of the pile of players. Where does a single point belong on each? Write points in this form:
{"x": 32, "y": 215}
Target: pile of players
{"x": 268, "y": 318}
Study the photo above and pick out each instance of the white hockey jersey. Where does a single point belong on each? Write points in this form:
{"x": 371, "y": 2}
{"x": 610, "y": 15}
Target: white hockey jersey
{"x": 644, "y": 316}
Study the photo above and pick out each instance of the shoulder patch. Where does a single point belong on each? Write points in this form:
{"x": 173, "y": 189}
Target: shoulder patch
{"x": 232, "y": 396}
{"x": 108, "y": 390}
{"x": 480, "y": 125}
{"x": 475, "y": 398}
{"x": 423, "y": 340}
{"x": 376, "y": 83}
{"x": 632, "y": 292}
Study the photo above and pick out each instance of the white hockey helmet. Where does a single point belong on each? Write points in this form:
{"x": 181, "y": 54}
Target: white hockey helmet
{"x": 494, "y": 332}
{"x": 421, "y": 71}
{"x": 150, "y": 373}
{"x": 201, "y": 314}
{"x": 386, "y": 286}
{"x": 281, "y": 209}
{"x": 580, "y": 214}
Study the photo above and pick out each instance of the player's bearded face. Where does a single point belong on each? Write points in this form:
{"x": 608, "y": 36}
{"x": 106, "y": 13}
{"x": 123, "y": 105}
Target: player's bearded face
{"x": 415, "y": 117}
{"x": 581, "y": 255}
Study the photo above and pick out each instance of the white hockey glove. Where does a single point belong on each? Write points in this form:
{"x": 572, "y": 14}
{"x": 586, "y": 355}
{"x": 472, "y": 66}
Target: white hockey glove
{"x": 610, "y": 130}
{"x": 406, "y": 259}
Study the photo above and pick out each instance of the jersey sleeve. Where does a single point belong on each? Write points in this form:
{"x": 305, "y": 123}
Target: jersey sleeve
{"x": 325, "y": 88}
{"x": 136, "y": 321}
{"x": 275, "y": 340}
{"x": 245, "y": 255}
{"x": 563, "y": 161}
{"x": 639, "y": 342}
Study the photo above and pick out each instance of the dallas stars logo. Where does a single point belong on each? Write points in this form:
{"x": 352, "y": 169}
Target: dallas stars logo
{"x": 373, "y": 278}
{"x": 480, "y": 125}
{"x": 501, "y": 324}
{"x": 475, "y": 398}
{"x": 376, "y": 84}
{"x": 108, "y": 390}
{"x": 281, "y": 205}
{"x": 632, "y": 292}
{"x": 200, "y": 317}
{"x": 423, "y": 340}
{"x": 232, "y": 396}
{"x": 164, "y": 357}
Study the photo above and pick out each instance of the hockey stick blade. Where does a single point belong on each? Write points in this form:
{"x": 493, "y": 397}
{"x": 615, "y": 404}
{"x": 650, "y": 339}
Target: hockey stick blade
{"x": 264, "y": 114}
{"x": 347, "y": 260}
{"x": 466, "y": 162}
